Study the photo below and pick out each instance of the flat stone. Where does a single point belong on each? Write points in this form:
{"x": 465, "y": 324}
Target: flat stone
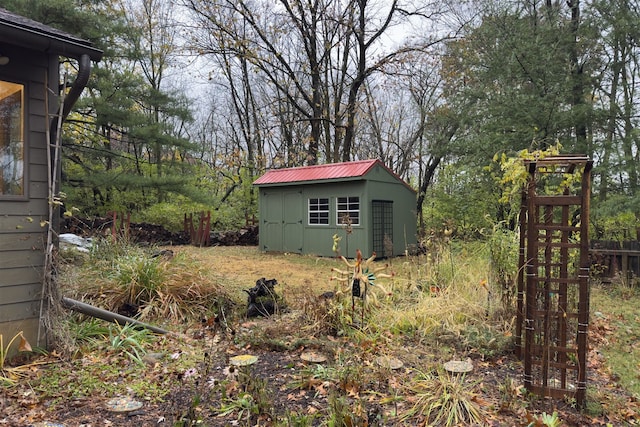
{"x": 459, "y": 366}
{"x": 389, "y": 362}
{"x": 243, "y": 360}
{"x": 123, "y": 404}
{"x": 47, "y": 424}
{"x": 313, "y": 357}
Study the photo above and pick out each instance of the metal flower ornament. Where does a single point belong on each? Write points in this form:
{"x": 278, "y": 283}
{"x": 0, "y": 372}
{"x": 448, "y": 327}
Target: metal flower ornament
{"x": 362, "y": 276}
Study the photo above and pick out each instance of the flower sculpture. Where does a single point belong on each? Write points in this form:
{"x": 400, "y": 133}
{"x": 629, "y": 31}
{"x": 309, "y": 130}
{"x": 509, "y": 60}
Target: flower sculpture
{"x": 362, "y": 275}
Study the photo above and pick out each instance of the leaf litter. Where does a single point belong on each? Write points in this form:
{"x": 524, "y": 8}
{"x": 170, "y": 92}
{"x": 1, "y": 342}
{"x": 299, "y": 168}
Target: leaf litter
{"x": 366, "y": 383}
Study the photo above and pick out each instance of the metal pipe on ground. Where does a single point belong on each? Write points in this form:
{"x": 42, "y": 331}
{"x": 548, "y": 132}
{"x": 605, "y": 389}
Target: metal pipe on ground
{"x": 109, "y": 316}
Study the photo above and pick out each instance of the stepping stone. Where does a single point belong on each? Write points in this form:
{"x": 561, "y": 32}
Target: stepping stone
{"x": 123, "y": 404}
{"x": 313, "y": 357}
{"x": 389, "y": 362}
{"x": 243, "y": 360}
{"x": 459, "y": 366}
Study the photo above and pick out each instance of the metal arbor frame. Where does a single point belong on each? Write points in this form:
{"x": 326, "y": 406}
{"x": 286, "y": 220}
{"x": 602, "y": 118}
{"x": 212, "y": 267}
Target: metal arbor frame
{"x": 553, "y": 279}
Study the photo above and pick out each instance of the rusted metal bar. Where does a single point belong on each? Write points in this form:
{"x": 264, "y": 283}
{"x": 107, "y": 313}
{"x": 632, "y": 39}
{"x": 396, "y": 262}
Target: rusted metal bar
{"x": 109, "y": 316}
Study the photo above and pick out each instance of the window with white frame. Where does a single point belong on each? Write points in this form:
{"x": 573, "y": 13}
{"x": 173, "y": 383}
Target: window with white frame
{"x": 318, "y": 211}
{"x": 348, "y": 210}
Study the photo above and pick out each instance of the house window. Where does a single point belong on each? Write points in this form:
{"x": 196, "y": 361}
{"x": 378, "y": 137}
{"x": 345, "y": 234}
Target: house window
{"x": 318, "y": 211}
{"x": 11, "y": 139}
{"x": 348, "y": 209}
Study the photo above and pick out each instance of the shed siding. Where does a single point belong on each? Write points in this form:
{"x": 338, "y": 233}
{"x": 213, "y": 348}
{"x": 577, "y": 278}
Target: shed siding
{"x": 377, "y": 183}
{"x": 404, "y": 213}
{"x": 20, "y": 294}
{"x": 21, "y": 311}
{"x": 21, "y": 234}
{"x": 20, "y": 276}
{"x": 318, "y": 239}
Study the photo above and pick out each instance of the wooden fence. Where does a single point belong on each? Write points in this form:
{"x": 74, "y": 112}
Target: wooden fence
{"x": 611, "y": 259}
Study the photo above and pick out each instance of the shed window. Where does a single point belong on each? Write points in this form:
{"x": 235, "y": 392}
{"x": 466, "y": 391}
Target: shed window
{"x": 11, "y": 139}
{"x": 348, "y": 209}
{"x": 318, "y": 211}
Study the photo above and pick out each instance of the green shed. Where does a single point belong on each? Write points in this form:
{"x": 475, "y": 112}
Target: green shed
{"x": 364, "y": 203}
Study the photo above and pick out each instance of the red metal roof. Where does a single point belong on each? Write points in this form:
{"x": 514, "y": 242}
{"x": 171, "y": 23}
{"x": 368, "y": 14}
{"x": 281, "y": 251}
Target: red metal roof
{"x": 318, "y": 172}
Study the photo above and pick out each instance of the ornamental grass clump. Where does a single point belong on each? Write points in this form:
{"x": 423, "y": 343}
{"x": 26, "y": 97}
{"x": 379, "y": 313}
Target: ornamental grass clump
{"x": 137, "y": 282}
{"x": 445, "y": 399}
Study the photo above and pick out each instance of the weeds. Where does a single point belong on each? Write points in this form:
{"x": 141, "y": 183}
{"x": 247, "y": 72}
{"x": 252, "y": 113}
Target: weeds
{"x": 248, "y": 398}
{"x": 294, "y": 419}
{"x": 138, "y": 278}
{"x": 486, "y": 339}
{"x": 10, "y": 375}
{"x": 326, "y": 314}
{"x": 451, "y": 318}
{"x": 243, "y": 405}
{"x": 547, "y": 420}
{"x": 129, "y": 340}
{"x": 87, "y": 330}
{"x": 344, "y": 413}
{"x": 510, "y": 394}
{"x": 313, "y": 376}
{"x": 503, "y": 247}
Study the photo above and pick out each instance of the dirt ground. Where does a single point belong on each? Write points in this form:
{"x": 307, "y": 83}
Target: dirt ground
{"x": 374, "y": 394}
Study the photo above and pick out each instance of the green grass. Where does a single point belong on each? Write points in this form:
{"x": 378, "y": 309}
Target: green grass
{"x": 99, "y": 372}
{"x": 616, "y": 306}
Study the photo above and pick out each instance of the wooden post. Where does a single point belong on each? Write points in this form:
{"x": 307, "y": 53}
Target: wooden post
{"x": 521, "y": 275}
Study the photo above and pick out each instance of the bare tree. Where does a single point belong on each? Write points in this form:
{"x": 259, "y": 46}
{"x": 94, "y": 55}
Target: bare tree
{"x": 316, "y": 56}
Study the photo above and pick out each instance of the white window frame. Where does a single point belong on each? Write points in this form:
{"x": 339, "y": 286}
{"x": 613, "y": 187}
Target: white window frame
{"x": 318, "y": 211}
{"x": 349, "y": 205}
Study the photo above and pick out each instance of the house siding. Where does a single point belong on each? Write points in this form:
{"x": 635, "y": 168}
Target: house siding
{"x": 22, "y": 236}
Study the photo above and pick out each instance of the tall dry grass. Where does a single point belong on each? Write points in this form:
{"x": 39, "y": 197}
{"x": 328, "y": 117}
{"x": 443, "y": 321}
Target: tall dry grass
{"x": 444, "y": 294}
{"x": 117, "y": 276}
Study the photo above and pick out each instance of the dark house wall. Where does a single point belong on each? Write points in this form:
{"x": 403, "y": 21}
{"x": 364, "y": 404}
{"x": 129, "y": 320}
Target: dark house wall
{"x": 22, "y": 237}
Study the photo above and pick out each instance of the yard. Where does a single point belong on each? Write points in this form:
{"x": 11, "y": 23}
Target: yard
{"x": 383, "y": 366}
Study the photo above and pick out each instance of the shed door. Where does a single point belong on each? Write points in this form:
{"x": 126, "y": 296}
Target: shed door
{"x": 282, "y": 222}
{"x": 272, "y": 221}
{"x": 382, "y": 212}
{"x": 292, "y": 224}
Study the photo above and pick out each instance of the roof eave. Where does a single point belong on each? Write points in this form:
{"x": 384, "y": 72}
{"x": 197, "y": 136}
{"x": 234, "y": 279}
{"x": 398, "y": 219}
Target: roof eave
{"x": 49, "y": 43}
{"x": 309, "y": 182}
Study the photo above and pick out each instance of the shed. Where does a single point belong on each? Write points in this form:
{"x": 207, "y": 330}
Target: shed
{"x": 29, "y": 110}
{"x": 364, "y": 203}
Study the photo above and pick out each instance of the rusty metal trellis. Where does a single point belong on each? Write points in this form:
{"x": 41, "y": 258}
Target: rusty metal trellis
{"x": 553, "y": 280}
